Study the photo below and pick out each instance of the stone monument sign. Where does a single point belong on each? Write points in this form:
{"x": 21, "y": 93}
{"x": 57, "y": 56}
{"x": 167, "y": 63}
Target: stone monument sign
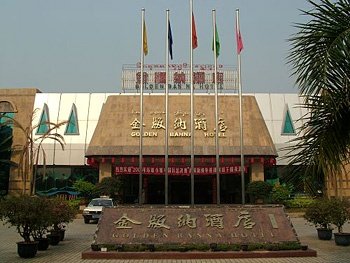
{"x": 182, "y": 225}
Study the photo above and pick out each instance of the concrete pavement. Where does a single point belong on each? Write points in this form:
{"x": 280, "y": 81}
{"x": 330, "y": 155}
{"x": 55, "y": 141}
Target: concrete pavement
{"x": 79, "y": 237}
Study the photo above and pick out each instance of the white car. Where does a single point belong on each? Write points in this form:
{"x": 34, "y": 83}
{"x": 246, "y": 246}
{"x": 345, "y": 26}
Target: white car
{"x": 94, "y": 209}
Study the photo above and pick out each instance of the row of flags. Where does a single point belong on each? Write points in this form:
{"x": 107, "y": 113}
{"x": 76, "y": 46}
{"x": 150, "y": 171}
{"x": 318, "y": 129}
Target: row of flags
{"x": 239, "y": 40}
{"x": 169, "y": 52}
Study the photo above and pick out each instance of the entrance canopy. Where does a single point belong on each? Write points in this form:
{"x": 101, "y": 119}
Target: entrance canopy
{"x": 118, "y": 129}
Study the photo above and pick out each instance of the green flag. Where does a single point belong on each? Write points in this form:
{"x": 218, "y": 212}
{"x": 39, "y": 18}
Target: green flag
{"x": 217, "y": 42}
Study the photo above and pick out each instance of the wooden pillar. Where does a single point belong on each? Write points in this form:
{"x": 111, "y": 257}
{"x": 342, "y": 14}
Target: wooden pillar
{"x": 105, "y": 170}
{"x": 257, "y": 172}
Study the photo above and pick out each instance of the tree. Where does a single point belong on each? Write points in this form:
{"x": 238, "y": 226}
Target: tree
{"x": 22, "y": 212}
{"x": 85, "y": 188}
{"x": 110, "y": 186}
{"x": 320, "y": 60}
{"x": 32, "y": 148}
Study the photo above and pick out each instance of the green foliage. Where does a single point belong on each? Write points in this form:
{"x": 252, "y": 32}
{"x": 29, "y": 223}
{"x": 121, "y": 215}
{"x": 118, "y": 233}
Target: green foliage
{"x": 259, "y": 190}
{"x": 319, "y": 213}
{"x": 283, "y": 246}
{"x": 85, "y": 188}
{"x": 293, "y": 245}
{"x": 340, "y": 213}
{"x": 280, "y": 194}
{"x": 228, "y": 247}
{"x": 305, "y": 179}
{"x": 45, "y": 208}
{"x": 74, "y": 203}
{"x": 110, "y": 186}
{"x": 320, "y": 61}
{"x": 299, "y": 202}
{"x": 61, "y": 213}
{"x": 32, "y": 215}
{"x": 24, "y": 213}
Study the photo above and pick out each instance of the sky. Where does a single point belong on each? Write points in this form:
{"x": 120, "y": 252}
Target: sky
{"x": 81, "y": 45}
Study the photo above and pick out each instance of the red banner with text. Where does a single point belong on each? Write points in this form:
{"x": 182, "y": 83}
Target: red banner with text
{"x": 179, "y": 171}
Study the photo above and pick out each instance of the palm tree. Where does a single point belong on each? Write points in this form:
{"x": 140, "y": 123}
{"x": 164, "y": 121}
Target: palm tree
{"x": 320, "y": 60}
{"x": 32, "y": 148}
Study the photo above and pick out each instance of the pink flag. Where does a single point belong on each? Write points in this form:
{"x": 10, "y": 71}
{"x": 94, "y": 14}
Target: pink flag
{"x": 239, "y": 40}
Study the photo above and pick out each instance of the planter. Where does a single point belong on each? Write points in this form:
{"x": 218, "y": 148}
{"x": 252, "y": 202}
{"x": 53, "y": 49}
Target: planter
{"x": 43, "y": 243}
{"x": 324, "y": 233}
{"x": 54, "y": 239}
{"x": 244, "y": 247}
{"x": 259, "y": 201}
{"x": 342, "y": 239}
{"x": 27, "y": 249}
{"x": 62, "y": 232}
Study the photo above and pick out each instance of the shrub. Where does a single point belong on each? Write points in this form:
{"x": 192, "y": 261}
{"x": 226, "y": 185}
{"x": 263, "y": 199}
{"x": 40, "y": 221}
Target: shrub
{"x": 299, "y": 202}
{"x": 319, "y": 213}
{"x": 61, "y": 213}
{"x": 339, "y": 213}
{"x": 259, "y": 190}
{"x": 40, "y": 229}
{"x": 23, "y": 212}
{"x": 110, "y": 186}
{"x": 85, "y": 188}
{"x": 280, "y": 194}
{"x": 74, "y": 203}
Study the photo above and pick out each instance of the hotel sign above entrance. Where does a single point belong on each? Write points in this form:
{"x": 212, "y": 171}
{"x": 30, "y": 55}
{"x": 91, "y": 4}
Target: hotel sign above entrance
{"x": 179, "y": 77}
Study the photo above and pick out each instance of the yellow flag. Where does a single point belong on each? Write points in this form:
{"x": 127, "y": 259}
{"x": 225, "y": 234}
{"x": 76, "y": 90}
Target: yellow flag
{"x": 145, "y": 45}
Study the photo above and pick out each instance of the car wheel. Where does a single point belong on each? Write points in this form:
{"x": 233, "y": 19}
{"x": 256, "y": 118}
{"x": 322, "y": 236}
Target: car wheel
{"x": 86, "y": 221}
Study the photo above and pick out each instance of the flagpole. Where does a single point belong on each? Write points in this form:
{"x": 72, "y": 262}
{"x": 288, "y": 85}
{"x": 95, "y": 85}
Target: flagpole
{"x": 141, "y": 105}
{"x": 216, "y": 110}
{"x": 240, "y": 110}
{"x": 166, "y": 109}
{"x": 192, "y": 99}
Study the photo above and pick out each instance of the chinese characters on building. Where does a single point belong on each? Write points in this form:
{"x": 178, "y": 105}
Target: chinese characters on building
{"x": 157, "y": 221}
{"x": 180, "y": 126}
{"x": 154, "y": 78}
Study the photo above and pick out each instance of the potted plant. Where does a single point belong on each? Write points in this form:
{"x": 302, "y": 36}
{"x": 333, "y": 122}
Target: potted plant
{"x": 319, "y": 214}
{"x": 340, "y": 214}
{"x": 259, "y": 191}
{"x": 22, "y": 212}
{"x": 40, "y": 229}
{"x": 61, "y": 214}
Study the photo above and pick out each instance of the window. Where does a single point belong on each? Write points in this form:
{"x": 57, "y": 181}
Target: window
{"x": 288, "y": 127}
{"x": 72, "y": 127}
{"x": 6, "y": 117}
{"x": 44, "y": 121}
{"x": 7, "y": 112}
{"x": 6, "y": 106}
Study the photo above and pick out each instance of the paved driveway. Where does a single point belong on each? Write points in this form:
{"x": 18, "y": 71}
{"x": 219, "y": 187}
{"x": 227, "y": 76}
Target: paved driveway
{"x": 79, "y": 237}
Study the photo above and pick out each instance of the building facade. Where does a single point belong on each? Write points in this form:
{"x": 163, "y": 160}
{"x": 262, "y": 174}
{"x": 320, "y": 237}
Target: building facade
{"x": 102, "y": 135}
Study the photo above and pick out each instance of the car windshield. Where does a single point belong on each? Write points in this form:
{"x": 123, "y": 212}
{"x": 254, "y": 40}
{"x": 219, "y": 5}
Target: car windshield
{"x": 106, "y": 203}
